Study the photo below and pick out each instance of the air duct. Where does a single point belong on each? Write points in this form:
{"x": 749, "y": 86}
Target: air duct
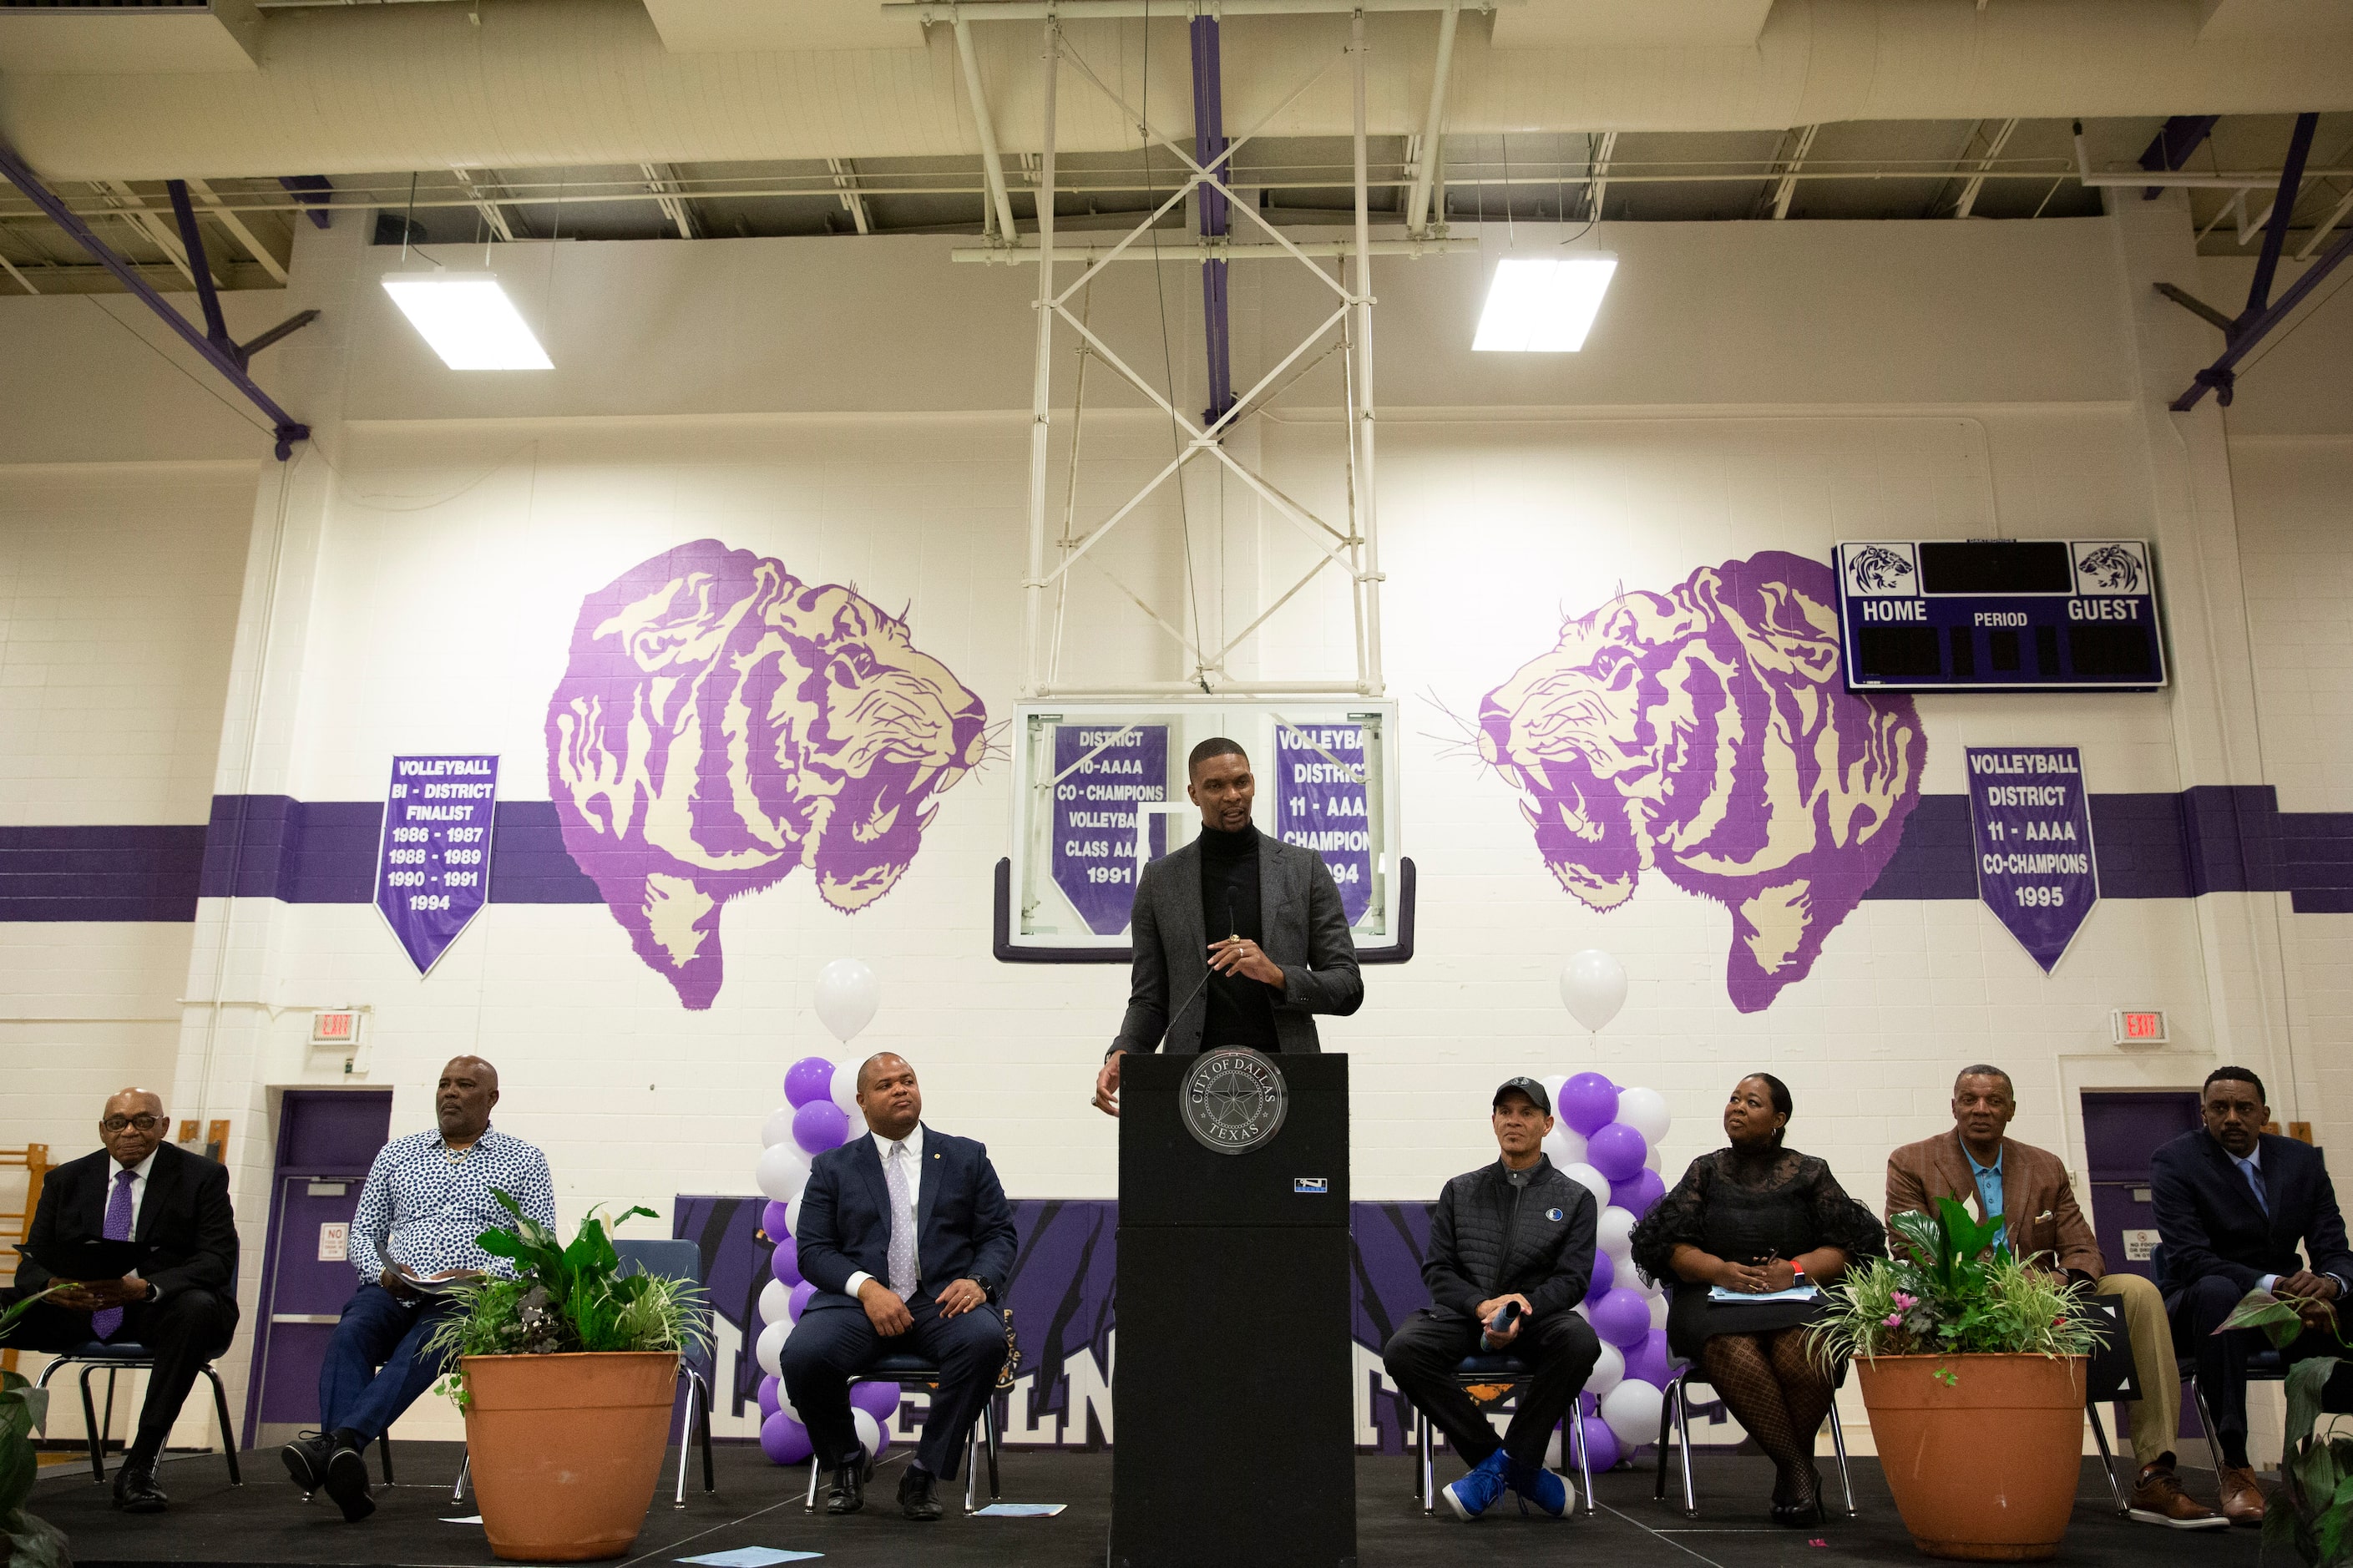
{"x": 539, "y": 83}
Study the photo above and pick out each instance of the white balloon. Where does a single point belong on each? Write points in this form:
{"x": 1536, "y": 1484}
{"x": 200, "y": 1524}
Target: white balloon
{"x": 1659, "y": 1310}
{"x": 1644, "y": 1111}
{"x": 770, "y": 1346}
{"x": 1615, "y": 1235}
{"x": 793, "y": 1216}
{"x": 1552, "y": 1450}
{"x": 782, "y": 1172}
{"x": 847, "y": 995}
{"x": 1552, "y": 1083}
{"x": 775, "y": 1301}
{"x": 1654, "y": 1161}
{"x": 870, "y": 1431}
{"x": 1567, "y": 1148}
{"x": 1632, "y": 1411}
{"x": 1593, "y": 987}
{"x": 778, "y": 1128}
{"x": 1594, "y": 1181}
{"x": 785, "y": 1404}
{"x": 845, "y": 1090}
{"x": 1608, "y": 1373}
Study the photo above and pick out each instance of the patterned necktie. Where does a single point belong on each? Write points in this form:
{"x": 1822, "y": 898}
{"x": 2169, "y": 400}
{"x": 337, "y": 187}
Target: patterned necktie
{"x": 103, "y": 1322}
{"x": 902, "y": 1222}
{"x": 2256, "y": 1181}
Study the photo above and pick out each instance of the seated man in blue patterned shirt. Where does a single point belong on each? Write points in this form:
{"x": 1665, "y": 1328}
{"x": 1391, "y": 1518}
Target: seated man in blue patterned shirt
{"x": 428, "y": 1198}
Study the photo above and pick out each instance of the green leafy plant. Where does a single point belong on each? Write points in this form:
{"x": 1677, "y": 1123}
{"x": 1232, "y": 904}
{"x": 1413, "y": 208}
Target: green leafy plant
{"x": 1952, "y": 1291}
{"x": 564, "y": 1298}
{"x": 2312, "y": 1514}
{"x": 24, "y": 1410}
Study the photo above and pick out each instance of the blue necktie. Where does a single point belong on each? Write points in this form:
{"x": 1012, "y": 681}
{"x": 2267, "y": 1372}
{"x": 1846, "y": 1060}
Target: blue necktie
{"x": 2256, "y": 1181}
{"x": 104, "y": 1321}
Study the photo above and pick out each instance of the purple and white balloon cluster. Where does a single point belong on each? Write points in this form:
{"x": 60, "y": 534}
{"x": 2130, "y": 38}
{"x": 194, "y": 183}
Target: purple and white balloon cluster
{"x": 1607, "y": 1138}
{"x": 819, "y": 1112}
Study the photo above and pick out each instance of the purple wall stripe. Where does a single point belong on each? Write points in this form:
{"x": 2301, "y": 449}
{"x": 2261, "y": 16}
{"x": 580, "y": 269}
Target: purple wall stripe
{"x": 2211, "y": 839}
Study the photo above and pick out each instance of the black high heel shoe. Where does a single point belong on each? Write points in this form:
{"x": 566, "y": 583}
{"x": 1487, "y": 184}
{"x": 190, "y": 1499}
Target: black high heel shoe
{"x": 1804, "y": 1506}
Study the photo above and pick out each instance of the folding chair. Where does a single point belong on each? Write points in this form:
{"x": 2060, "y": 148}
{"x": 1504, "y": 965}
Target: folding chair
{"x": 915, "y": 1369}
{"x": 1486, "y": 1370}
{"x": 1674, "y": 1413}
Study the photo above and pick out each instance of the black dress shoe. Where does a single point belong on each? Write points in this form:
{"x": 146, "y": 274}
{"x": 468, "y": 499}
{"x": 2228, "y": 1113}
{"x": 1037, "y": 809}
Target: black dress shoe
{"x": 919, "y": 1494}
{"x": 306, "y": 1461}
{"x": 135, "y": 1490}
{"x": 848, "y": 1492}
{"x": 347, "y": 1481}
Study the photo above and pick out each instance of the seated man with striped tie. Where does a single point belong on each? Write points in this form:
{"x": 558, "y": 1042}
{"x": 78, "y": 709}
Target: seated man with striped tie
{"x": 2233, "y": 1203}
{"x": 180, "y": 1302}
{"x": 903, "y": 1234}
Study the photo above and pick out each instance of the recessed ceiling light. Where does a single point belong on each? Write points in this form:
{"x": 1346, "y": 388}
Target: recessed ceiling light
{"x": 1542, "y": 305}
{"x": 468, "y": 320}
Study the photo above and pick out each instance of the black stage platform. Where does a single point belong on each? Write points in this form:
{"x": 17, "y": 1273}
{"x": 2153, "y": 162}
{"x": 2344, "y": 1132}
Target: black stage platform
{"x": 758, "y": 1505}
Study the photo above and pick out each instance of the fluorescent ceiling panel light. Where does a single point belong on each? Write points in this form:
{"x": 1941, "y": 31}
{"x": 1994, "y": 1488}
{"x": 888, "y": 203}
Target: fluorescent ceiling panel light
{"x": 1544, "y": 305}
{"x": 468, "y": 319}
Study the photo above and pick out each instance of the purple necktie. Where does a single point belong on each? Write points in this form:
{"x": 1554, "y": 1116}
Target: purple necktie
{"x": 106, "y": 1319}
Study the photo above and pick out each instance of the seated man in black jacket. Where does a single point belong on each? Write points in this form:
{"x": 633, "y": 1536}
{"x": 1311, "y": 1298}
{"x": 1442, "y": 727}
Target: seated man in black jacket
{"x": 1514, "y": 1233}
{"x": 2233, "y": 1203}
{"x": 180, "y": 1303}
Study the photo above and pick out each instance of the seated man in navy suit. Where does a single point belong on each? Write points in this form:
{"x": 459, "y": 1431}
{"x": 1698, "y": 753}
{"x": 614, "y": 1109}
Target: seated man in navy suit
{"x": 902, "y": 1232}
{"x": 2232, "y": 1204}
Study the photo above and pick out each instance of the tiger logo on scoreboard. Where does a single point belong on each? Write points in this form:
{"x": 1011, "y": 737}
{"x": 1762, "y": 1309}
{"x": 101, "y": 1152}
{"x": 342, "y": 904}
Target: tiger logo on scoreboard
{"x": 2113, "y": 567}
{"x": 721, "y": 723}
{"x": 1705, "y": 734}
{"x": 1881, "y": 569}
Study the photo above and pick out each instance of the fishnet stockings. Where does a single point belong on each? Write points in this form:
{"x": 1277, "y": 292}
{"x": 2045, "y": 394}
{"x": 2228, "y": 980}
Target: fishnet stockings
{"x": 1780, "y": 1394}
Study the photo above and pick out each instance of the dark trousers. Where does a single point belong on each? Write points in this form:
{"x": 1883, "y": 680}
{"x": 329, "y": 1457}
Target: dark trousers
{"x": 375, "y": 1369}
{"x": 829, "y": 1346}
{"x": 1559, "y": 1349}
{"x": 184, "y": 1330}
{"x": 2195, "y": 1311}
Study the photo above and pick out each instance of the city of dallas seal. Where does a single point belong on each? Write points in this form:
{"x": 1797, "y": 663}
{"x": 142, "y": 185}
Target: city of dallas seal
{"x": 1234, "y": 1101}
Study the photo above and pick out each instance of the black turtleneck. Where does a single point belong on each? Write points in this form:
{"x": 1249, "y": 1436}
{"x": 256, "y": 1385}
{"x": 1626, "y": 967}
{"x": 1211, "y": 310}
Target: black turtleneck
{"x": 1241, "y": 1011}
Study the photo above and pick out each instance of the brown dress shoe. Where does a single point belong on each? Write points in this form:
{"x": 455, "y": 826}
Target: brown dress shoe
{"x": 2242, "y": 1499}
{"x": 2157, "y": 1499}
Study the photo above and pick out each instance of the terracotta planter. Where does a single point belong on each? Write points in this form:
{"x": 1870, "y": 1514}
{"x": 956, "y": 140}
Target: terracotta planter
{"x": 1984, "y": 1469}
{"x": 567, "y": 1449}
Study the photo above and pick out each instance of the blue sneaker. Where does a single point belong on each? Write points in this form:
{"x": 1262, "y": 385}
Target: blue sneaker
{"x": 1536, "y": 1484}
{"x": 1475, "y": 1493}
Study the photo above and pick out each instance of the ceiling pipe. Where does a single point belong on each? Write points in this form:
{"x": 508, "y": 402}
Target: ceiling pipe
{"x": 541, "y": 83}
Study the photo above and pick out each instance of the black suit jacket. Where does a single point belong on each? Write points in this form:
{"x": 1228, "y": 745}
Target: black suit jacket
{"x": 964, "y": 1226}
{"x": 1488, "y": 1239}
{"x": 185, "y": 1217}
{"x": 2211, "y": 1224}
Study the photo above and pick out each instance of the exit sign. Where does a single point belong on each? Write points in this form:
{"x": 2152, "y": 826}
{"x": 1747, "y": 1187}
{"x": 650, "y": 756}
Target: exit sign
{"x": 2139, "y": 1028}
{"x": 334, "y": 1029}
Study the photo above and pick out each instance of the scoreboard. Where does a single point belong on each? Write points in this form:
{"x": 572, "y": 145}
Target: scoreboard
{"x": 1996, "y": 615}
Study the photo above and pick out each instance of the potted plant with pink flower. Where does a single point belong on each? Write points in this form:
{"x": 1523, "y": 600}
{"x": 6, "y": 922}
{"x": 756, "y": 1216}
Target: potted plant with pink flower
{"x": 1972, "y": 1362}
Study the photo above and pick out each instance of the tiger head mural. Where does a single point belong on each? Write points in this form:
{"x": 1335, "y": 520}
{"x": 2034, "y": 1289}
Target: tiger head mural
{"x": 721, "y": 723}
{"x": 1705, "y": 734}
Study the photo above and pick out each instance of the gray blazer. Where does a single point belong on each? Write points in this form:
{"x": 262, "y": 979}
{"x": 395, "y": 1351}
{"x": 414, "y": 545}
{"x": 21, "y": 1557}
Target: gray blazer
{"x": 1306, "y": 935}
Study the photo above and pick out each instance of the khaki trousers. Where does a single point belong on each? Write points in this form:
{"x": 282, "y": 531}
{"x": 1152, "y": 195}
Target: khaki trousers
{"x": 2157, "y": 1415}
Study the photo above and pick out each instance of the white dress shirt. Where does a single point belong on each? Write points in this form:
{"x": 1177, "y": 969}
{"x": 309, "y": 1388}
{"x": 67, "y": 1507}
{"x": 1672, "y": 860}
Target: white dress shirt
{"x": 913, "y": 1145}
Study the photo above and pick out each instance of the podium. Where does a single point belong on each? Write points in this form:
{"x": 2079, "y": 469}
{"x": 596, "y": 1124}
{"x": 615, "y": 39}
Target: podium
{"x": 1236, "y": 1444}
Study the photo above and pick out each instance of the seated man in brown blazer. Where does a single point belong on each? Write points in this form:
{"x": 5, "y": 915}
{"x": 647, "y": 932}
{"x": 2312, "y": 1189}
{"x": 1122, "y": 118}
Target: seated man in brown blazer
{"x": 2028, "y": 1187}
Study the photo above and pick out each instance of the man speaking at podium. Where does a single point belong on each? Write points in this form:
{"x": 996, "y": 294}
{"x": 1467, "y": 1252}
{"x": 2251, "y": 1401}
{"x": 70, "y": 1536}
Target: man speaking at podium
{"x": 1246, "y": 931}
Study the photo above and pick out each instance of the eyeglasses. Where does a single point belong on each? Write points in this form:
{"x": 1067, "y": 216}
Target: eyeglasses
{"x": 143, "y": 1122}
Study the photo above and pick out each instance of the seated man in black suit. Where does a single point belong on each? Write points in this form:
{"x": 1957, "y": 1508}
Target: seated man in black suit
{"x": 2232, "y": 1204}
{"x": 903, "y": 1234}
{"x": 180, "y": 1303}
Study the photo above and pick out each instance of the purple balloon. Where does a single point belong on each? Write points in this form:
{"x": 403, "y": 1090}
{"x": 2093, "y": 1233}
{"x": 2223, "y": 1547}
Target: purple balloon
{"x": 1586, "y": 1404}
{"x": 1616, "y": 1151}
{"x": 1588, "y": 1102}
{"x": 821, "y": 1124}
{"x": 770, "y": 1399}
{"x": 1637, "y": 1192}
{"x": 798, "y": 1302}
{"x": 1647, "y": 1362}
{"x": 808, "y": 1080}
{"x": 1605, "y": 1275}
{"x": 1601, "y": 1449}
{"x": 784, "y": 1440}
{"x": 880, "y": 1400}
{"x": 1622, "y": 1317}
{"x": 772, "y": 1222}
{"x": 785, "y": 1264}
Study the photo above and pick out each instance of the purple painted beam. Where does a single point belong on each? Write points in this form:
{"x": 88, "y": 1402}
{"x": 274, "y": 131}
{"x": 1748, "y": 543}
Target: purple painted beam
{"x": 283, "y": 426}
{"x": 2171, "y": 146}
{"x": 2291, "y": 185}
{"x": 2222, "y": 375}
{"x": 312, "y": 191}
{"x": 192, "y": 240}
{"x": 1209, "y": 142}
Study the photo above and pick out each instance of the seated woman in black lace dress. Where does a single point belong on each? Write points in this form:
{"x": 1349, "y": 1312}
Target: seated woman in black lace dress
{"x": 1753, "y": 1219}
